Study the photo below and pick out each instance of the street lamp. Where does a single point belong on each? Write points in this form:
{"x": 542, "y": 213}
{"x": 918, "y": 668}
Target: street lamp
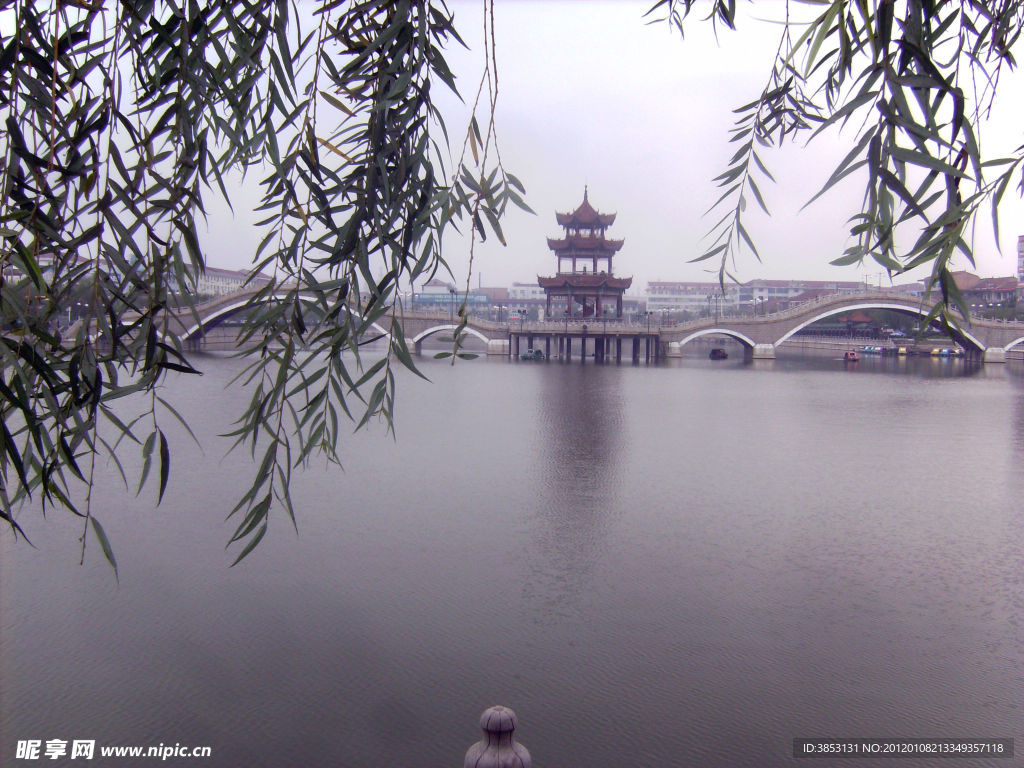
{"x": 451, "y": 308}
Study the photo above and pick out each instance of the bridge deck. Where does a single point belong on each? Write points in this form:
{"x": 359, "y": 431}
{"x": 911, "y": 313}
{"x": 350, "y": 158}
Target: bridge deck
{"x": 987, "y": 339}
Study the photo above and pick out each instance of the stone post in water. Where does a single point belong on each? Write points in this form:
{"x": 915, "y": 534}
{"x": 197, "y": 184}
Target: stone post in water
{"x": 498, "y": 748}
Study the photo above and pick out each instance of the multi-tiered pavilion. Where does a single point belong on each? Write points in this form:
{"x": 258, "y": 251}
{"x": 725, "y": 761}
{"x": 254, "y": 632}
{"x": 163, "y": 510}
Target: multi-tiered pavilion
{"x": 585, "y": 285}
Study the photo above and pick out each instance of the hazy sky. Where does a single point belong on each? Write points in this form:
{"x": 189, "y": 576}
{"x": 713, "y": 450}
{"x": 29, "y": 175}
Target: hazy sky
{"x": 591, "y": 94}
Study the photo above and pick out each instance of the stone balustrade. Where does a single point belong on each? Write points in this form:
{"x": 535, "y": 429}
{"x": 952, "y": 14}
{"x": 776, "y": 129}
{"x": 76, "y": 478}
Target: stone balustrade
{"x": 498, "y": 748}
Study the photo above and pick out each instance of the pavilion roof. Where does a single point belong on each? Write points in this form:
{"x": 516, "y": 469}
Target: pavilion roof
{"x": 995, "y": 284}
{"x": 965, "y": 281}
{"x": 585, "y": 217}
{"x": 584, "y": 244}
{"x": 586, "y": 280}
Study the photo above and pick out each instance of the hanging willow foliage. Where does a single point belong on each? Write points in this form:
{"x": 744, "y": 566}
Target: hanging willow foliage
{"x": 121, "y": 117}
{"x": 918, "y": 78}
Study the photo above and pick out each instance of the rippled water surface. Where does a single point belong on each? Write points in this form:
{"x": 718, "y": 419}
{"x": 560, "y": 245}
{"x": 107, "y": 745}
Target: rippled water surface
{"x": 690, "y": 564}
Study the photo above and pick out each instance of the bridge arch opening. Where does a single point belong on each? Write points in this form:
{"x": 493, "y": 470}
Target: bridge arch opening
{"x": 746, "y": 341}
{"x": 1014, "y": 343}
{"x": 219, "y": 314}
{"x": 963, "y": 338}
{"x": 418, "y": 339}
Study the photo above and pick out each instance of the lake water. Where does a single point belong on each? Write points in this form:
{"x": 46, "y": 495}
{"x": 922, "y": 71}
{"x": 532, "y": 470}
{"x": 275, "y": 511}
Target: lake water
{"x": 683, "y": 565}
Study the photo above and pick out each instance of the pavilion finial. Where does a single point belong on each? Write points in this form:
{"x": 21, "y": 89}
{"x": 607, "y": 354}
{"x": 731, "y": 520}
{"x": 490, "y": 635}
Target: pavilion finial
{"x": 584, "y": 193}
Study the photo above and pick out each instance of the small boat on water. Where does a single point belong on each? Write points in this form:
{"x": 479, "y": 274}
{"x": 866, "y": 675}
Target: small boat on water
{"x": 718, "y": 354}
{"x": 532, "y": 354}
{"x": 850, "y": 356}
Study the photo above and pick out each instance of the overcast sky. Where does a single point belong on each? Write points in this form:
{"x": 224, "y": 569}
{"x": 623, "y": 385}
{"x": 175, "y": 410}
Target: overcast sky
{"x": 590, "y": 94}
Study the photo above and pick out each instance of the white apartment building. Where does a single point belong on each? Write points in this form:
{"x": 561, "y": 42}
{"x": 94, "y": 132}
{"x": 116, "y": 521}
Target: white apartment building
{"x": 701, "y": 297}
{"x": 780, "y": 290}
{"x": 526, "y": 292}
{"x": 1020, "y": 258}
{"x": 694, "y": 297}
{"x": 220, "y": 282}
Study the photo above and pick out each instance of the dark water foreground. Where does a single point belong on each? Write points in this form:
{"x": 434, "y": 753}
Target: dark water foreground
{"x": 688, "y": 565}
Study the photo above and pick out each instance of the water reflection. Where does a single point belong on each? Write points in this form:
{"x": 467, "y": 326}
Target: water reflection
{"x": 1018, "y": 415}
{"x": 577, "y": 467}
{"x": 691, "y": 559}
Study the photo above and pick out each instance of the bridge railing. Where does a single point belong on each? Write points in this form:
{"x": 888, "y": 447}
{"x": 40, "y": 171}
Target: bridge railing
{"x": 654, "y": 324}
{"x": 795, "y": 310}
{"x": 640, "y": 324}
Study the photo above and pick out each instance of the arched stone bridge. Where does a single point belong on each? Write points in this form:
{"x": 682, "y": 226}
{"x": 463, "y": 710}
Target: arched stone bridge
{"x": 982, "y": 339}
{"x": 191, "y": 326}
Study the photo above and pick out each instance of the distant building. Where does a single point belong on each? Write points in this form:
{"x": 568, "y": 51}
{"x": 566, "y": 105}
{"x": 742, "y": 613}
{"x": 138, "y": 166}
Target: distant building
{"x": 495, "y": 295}
{"x": 993, "y": 290}
{"x": 526, "y": 292}
{"x": 1020, "y": 268}
{"x": 1020, "y": 258}
{"x": 986, "y": 291}
{"x": 436, "y": 286}
{"x": 438, "y": 295}
{"x": 692, "y": 297}
{"x": 757, "y": 291}
{"x": 220, "y": 282}
{"x": 754, "y": 296}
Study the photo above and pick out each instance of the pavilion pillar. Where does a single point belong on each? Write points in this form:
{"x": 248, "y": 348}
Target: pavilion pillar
{"x": 618, "y": 349}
